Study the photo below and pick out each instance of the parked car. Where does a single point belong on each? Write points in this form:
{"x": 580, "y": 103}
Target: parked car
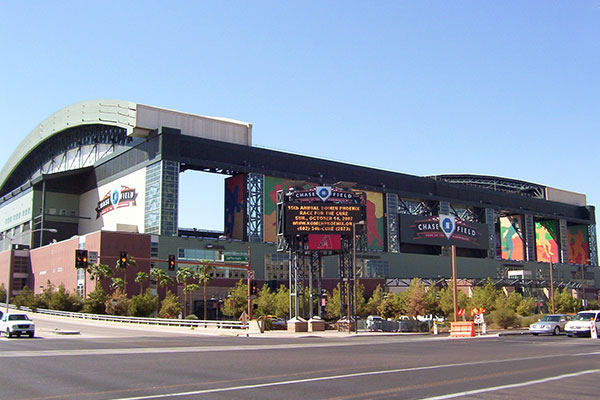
{"x": 580, "y": 324}
{"x": 374, "y": 323}
{"x": 430, "y": 318}
{"x": 552, "y": 324}
{"x": 17, "y": 324}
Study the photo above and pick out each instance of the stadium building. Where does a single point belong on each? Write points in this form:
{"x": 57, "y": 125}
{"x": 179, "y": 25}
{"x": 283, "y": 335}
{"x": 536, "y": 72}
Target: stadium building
{"x": 104, "y": 176}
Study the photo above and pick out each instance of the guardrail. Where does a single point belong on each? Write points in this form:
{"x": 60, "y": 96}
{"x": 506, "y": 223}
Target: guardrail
{"x": 139, "y": 320}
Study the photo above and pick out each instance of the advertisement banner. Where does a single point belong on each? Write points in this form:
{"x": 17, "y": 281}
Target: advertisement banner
{"x": 442, "y": 230}
{"x": 234, "y": 207}
{"x": 511, "y": 238}
{"x": 324, "y": 242}
{"x": 546, "y": 241}
{"x": 579, "y": 248}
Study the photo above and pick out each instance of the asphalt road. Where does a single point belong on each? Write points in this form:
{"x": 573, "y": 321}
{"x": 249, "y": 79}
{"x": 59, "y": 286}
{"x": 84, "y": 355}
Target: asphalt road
{"x": 109, "y": 363}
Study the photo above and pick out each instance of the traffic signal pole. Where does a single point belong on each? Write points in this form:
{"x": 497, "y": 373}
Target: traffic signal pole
{"x": 249, "y": 296}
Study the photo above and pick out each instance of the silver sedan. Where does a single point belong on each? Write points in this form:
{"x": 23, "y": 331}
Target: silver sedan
{"x": 552, "y": 324}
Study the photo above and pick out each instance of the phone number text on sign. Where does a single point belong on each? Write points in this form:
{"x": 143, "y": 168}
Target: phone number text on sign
{"x": 321, "y": 218}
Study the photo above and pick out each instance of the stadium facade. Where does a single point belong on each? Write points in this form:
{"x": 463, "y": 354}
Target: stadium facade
{"x": 104, "y": 176}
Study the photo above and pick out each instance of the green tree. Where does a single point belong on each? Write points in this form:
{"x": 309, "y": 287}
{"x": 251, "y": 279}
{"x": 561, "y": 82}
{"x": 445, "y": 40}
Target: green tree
{"x": 503, "y": 315}
{"x": 170, "y": 307}
{"x": 333, "y": 307}
{"x": 117, "y": 303}
{"x": 191, "y": 288}
{"x": 183, "y": 275}
{"x": 416, "y": 301}
{"x": 2, "y": 292}
{"x": 239, "y": 295}
{"x": 361, "y": 301}
{"x": 433, "y": 300}
{"x": 140, "y": 278}
{"x": 282, "y": 302}
{"x": 564, "y": 302}
{"x": 391, "y": 306}
{"x": 162, "y": 279}
{"x": 117, "y": 283}
{"x": 266, "y": 302}
{"x": 123, "y": 267}
{"x": 374, "y": 302}
{"x": 62, "y": 300}
{"x": 203, "y": 278}
{"x": 25, "y": 298}
{"x": 514, "y": 300}
{"x": 143, "y": 305}
{"x": 95, "y": 302}
{"x": 98, "y": 272}
{"x": 485, "y": 296}
{"x": 446, "y": 301}
{"x": 526, "y": 307}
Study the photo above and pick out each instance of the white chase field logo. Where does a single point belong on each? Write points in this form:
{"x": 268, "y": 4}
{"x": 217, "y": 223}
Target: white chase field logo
{"x": 116, "y": 199}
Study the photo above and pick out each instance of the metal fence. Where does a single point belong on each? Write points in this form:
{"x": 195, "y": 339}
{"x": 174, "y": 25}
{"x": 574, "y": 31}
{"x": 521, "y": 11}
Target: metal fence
{"x": 138, "y": 320}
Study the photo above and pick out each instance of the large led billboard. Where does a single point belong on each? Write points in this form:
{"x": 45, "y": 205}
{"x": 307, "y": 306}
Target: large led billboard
{"x": 304, "y": 219}
{"x": 511, "y": 238}
{"x": 579, "y": 248}
{"x": 546, "y": 241}
{"x": 427, "y": 230}
{"x": 234, "y": 207}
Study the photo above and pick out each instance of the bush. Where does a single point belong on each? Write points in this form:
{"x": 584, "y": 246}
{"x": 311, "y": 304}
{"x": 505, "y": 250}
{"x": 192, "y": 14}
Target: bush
{"x": 95, "y": 303}
{"x": 117, "y": 303}
{"x": 192, "y": 317}
{"x": 25, "y": 298}
{"x": 526, "y": 321}
{"x": 504, "y": 317}
{"x": 170, "y": 307}
{"x": 62, "y": 300}
{"x": 143, "y": 305}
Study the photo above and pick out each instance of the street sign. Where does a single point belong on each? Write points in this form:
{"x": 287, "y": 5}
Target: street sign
{"x": 250, "y": 274}
{"x": 237, "y": 258}
{"x": 93, "y": 257}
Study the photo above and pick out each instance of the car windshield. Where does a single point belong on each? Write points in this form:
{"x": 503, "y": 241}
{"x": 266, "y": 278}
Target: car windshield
{"x": 588, "y": 316}
{"x": 550, "y": 318}
{"x": 18, "y": 317}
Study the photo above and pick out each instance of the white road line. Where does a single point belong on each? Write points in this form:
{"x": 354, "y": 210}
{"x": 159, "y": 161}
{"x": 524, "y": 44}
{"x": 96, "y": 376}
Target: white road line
{"x": 513, "y": 385}
{"x": 355, "y": 375}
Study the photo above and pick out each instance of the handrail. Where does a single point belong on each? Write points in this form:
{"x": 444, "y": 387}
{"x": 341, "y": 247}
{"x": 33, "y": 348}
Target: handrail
{"x": 141, "y": 320}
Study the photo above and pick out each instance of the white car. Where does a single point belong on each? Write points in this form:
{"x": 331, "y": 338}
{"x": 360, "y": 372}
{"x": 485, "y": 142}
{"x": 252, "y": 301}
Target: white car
{"x": 581, "y": 324}
{"x": 17, "y": 324}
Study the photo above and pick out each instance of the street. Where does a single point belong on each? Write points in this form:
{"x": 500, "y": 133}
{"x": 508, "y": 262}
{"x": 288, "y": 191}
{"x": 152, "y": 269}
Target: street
{"x": 111, "y": 363}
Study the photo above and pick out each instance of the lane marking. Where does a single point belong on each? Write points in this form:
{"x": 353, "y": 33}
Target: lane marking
{"x": 353, "y": 375}
{"x": 513, "y": 385}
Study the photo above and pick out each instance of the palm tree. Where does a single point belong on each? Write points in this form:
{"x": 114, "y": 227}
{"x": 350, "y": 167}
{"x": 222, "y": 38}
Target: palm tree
{"x": 98, "y": 272}
{"x": 192, "y": 287}
{"x": 118, "y": 266}
{"x": 203, "y": 279}
{"x": 140, "y": 278}
{"x": 162, "y": 279}
{"x": 183, "y": 275}
{"x": 117, "y": 283}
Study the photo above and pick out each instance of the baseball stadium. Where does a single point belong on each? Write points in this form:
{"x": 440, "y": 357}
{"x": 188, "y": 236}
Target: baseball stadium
{"x": 104, "y": 176}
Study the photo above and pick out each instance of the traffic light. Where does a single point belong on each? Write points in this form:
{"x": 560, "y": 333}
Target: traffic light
{"x": 253, "y": 288}
{"x": 123, "y": 259}
{"x": 81, "y": 258}
{"x": 171, "y": 262}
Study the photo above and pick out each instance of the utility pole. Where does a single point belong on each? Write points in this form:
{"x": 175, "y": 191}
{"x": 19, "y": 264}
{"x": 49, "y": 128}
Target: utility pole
{"x": 454, "y": 284}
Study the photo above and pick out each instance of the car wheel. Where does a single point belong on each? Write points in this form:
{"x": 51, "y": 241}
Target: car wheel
{"x": 569, "y": 334}
{"x": 31, "y": 334}
{"x": 8, "y": 333}
{"x": 534, "y": 334}
{"x": 556, "y": 331}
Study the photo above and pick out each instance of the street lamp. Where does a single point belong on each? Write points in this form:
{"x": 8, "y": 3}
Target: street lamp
{"x": 354, "y": 274}
{"x": 12, "y": 238}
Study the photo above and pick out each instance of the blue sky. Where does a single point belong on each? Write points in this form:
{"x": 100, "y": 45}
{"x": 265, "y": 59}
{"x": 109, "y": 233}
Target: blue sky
{"x": 495, "y": 88}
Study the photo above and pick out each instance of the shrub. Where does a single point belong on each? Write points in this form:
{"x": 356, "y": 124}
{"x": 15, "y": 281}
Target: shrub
{"x": 143, "y": 305}
{"x": 62, "y": 300}
{"x": 192, "y": 317}
{"x": 117, "y": 303}
{"x": 95, "y": 303}
{"x": 170, "y": 307}
{"x": 25, "y": 298}
{"x": 504, "y": 317}
{"x": 526, "y": 321}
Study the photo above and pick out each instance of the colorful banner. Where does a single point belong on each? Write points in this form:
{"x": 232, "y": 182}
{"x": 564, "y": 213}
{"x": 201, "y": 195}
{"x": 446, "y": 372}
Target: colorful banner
{"x": 511, "y": 238}
{"x": 546, "y": 241}
{"x": 235, "y": 207}
{"x": 579, "y": 248}
{"x": 375, "y": 221}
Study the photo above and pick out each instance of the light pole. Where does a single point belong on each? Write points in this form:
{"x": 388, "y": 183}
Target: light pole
{"x": 551, "y": 285}
{"x": 11, "y": 238}
{"x": 354, "y": 273}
